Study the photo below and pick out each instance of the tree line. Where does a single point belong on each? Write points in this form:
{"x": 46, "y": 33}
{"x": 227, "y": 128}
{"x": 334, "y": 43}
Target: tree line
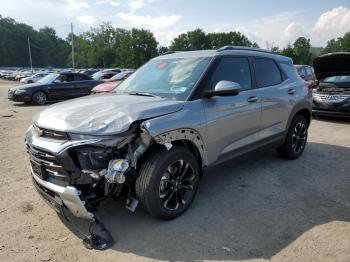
{"x": 107, "y": 46}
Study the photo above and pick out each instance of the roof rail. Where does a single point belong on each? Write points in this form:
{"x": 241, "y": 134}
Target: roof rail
{"x": 245, "y": 48}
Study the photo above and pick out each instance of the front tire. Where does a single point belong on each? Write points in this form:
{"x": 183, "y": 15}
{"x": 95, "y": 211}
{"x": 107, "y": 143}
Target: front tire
{"x": 39, "y": 98}
{"x": 168, "y": 182}
{"x": 296, "y": 139}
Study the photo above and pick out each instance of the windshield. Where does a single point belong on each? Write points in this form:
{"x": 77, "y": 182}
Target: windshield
{"x": 337, "y": 79}
{"x": 170, "y": 78}
{"x": 97, "y": 75}
{"x": 120, "y": 76}
{"x": 48, "y": 79}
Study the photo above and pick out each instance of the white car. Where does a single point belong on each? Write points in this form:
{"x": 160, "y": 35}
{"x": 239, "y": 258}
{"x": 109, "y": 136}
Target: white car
{"x": 33, "y": 78}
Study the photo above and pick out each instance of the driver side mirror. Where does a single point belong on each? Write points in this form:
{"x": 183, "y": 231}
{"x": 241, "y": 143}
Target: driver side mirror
{"x": 224, "y": 88}
{"x": 56, "y": 81}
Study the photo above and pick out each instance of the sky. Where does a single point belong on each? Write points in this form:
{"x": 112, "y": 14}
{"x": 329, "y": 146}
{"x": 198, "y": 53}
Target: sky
{"x": 269, "y": 23}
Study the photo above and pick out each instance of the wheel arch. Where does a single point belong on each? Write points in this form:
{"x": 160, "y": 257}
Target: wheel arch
{"x": 303, "y": 109}
{"x": 183, "y": 137}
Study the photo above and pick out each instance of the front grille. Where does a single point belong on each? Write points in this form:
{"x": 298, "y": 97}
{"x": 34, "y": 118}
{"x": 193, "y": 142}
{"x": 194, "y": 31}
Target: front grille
{"x": 46, "y": 165}
{"x": 330, "y": 98}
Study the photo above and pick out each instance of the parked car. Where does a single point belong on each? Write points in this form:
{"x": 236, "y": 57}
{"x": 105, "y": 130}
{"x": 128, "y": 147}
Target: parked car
{"x": 89, "y": 72}
{"x": 105, "y": 74}
{"x": 110, "y": 84}
{"x": 331, "y": 97}
{"x": 307, "y": 73}
{"x": 170, "y": 120}
{"x": 33, "y": 78}
{"x": 53, "y": 87}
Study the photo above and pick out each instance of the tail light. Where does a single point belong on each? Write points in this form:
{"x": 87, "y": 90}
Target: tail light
{"x": 310, "y": 84}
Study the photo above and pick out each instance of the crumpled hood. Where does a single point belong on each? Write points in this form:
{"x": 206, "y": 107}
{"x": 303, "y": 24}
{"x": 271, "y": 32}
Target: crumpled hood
{"x": 103, "y": 114}
{"x": 333, "y": 64}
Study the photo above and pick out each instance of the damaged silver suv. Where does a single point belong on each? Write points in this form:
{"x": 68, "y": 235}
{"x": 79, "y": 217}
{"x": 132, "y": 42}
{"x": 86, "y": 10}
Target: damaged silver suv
{"x": 177, "y": 115}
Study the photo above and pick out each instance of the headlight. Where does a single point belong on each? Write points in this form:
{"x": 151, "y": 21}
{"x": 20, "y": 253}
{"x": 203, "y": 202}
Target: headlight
{"x": 20, "y": 91}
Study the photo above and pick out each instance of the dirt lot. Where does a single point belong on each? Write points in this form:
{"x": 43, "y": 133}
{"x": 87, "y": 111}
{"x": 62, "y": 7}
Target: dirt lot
{"x": 260, "y": 208}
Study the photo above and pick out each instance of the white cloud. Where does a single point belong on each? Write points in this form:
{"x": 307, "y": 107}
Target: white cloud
{"x": 74, "y": 5}
{"x": 294, "y": 29}
{"x": 86, "y": 19}
{"x": 332, "y": 24}
{"x": 110, "y": 2}
{"x": 155, "y": 23}
{"x": 135, "y": 5}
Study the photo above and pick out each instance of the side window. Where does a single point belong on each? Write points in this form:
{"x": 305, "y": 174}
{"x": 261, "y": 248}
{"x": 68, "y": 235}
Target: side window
{"x": 302, "y": 71}
{"x": 235, "y": 69}
{"x": 267, "y": 73}
{"x": 70, "y": 77}
{"x": 309, "y": 71}
{"x": 79, "y": 78}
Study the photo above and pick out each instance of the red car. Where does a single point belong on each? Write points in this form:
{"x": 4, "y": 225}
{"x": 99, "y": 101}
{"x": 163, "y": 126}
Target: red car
{"x": 307, "y": 73}
{"x": 110, "y": 84}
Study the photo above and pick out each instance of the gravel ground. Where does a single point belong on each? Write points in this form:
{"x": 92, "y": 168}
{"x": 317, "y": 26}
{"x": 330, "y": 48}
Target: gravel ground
{"x": 258, "y": 208}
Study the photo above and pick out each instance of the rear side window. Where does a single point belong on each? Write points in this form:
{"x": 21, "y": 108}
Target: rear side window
{"x": 235, "y": 69}
{"x": 309, "y": 71}
{"x": 267, "y": 73}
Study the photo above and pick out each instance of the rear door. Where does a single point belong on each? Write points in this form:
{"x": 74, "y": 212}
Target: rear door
{"x": 276, "y": 96}
{"x": 232, "y": 121}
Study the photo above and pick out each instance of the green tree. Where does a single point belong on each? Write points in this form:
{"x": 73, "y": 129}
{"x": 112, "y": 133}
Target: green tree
{"x": 301, "y": 50}
{"x": 136, "y": 47}
{"x": 341, "y": 44}
{"x": 192, "y": 40}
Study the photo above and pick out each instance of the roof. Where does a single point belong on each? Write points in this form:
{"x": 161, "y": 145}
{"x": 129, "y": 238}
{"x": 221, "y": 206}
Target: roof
{"x": 227, "y": 50}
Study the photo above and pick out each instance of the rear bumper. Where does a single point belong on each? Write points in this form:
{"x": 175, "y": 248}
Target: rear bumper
{"x": 58, "y": 197}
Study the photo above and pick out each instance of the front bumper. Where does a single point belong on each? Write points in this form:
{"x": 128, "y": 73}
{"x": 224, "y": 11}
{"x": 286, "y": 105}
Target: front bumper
{"x": 58, "y": 197}
{"x": 23, "y": 97}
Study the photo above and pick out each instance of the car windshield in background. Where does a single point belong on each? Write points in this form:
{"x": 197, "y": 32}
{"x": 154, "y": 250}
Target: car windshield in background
{"x": 170, "y": 78}
{"x": 120, "y": 76}
{"x": 48, "y": 79}
{"x": 337, "y": 79}
{"x": 97, "y": 75}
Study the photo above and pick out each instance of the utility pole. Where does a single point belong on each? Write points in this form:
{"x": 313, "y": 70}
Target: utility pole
{"x": 72, "y": 35}
{"x": 30, "y": 56}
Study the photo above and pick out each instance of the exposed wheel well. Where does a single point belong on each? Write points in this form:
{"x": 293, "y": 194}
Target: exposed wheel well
{"x": 183, "y": 143}
{"x": 306, "y": 114}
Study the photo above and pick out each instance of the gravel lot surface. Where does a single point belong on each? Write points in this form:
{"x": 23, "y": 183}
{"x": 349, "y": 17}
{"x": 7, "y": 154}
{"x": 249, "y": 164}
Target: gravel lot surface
{"x": 259, "y": 208}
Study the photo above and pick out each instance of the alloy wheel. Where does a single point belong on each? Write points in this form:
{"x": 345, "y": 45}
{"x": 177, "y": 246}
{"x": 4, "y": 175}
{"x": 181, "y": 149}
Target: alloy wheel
{"x": 41, "y": 98}
{"x": 299, "y": 137}
{"x": 176, "y": 186}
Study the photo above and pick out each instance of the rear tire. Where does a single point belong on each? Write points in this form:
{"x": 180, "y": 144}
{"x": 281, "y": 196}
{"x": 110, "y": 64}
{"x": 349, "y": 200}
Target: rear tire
{"x": 167, "y": 182}
{"x": 296, "y": 139}
{"x": 39, "y": 98}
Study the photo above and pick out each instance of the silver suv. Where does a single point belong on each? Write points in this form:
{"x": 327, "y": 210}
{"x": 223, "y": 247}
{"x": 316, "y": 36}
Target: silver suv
{"x": 175, "y": 116}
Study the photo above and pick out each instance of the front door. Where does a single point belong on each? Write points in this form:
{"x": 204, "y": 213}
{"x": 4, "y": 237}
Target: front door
{"x": 232, "y": 121}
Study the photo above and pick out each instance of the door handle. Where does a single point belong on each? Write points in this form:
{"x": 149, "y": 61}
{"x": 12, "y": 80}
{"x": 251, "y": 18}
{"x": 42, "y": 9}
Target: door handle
{"x": 291, "y": 91}
{"x": 252, "y": 99}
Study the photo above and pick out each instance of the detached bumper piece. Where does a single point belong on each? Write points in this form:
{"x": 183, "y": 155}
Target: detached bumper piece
{"x": 61, "y": 198}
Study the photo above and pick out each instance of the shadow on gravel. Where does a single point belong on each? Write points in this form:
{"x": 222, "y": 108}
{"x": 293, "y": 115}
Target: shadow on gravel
{"x": 20, "y": 104}
{"x": 248, "y": 208}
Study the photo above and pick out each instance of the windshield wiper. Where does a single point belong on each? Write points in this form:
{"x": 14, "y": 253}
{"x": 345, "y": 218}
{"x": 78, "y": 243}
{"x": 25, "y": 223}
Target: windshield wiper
{"x": 142, "y": 94}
